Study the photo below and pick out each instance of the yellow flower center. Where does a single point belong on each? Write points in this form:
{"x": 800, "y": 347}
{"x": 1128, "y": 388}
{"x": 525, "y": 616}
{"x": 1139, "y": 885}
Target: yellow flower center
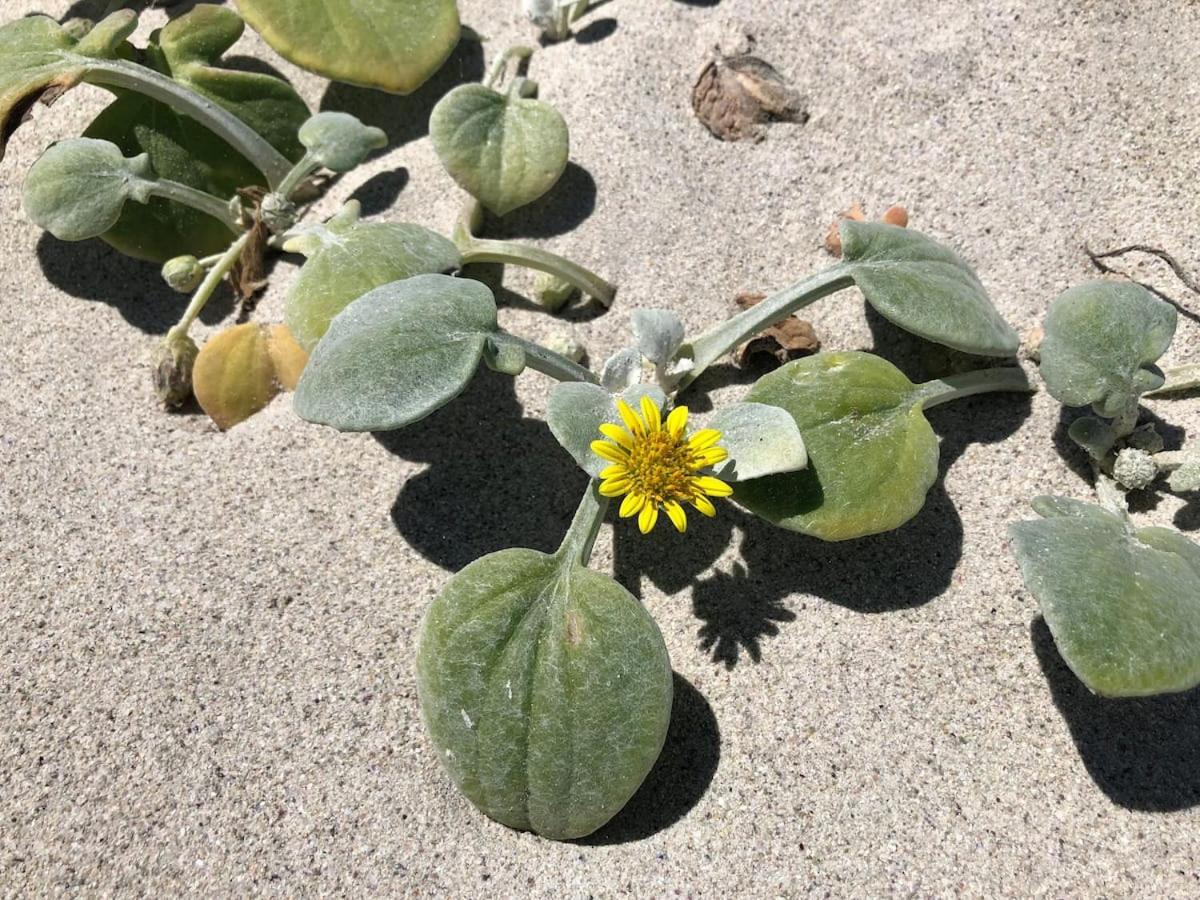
{"x": 656, "y": 467}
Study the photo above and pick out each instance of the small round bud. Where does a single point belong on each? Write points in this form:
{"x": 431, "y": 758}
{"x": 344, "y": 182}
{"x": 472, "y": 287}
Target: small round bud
{"x": 172, "y": 369}
{"x": 183, "y": 273}
{"x": 565, "y": 345}
{"x": 551, "y": 291}
{"x": 1135, "y": 469}
{"x": 278, "y": 213}
{"x": 896, "y": 215}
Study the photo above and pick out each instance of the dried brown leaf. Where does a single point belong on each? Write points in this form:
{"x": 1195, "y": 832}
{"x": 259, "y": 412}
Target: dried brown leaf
{"x": 782, "y": 342}
{"x": 735, "y": 97}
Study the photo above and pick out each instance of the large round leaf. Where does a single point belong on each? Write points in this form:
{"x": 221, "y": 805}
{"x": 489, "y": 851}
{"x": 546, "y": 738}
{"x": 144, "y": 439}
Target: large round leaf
{"x": 502, "y": 149}
{"x": 398, "y": 353}
{"x": 347, "y": 258}
{"x": 872, "y": 455}
{"x": 1102, "y": 339}
{"x": 1123, "y": 603}
{"x": 924, "y": 287}
{"x": 180, "y": 149}
{"x": 546, "y": 689}
{"x": 394, "y": 45}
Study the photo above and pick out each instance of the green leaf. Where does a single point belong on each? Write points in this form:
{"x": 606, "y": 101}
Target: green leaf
{"x": 761, "y": 440}
{"x": 924, "y": 287}
{"x": 659, "y": 333}
{"x": 348, "y": 258}
{"x": 1123, "y": 603}
{"x": 38, "y": 58}
{"x": 546, "y": 689}
{"x": 872, "y": 456}
{"x": 339, "y": 141}
{"x": 397, "y": 354}
{"x": 577, "y": 410}
{"x": 1102, "y": 339}
{"x": 78, "y": 187}
{"x": 393, "y": 45}
{"x": 188, "y": 50}
{"x": 504, "y": 150}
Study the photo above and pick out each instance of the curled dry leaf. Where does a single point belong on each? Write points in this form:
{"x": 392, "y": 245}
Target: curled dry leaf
{"x": 736, "y": 96}
{"x": 782, "y": 342}
{"x": 242, "y": 369}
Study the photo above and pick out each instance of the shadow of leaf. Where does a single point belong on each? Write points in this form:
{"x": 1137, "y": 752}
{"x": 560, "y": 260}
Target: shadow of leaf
{"x": 561, "y": 209}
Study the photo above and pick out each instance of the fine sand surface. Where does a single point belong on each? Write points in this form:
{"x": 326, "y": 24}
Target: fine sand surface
{"x": 207, "y": 639}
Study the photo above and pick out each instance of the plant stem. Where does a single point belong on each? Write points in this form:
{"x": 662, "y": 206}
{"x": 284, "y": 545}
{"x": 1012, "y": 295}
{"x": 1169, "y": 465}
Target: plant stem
{"x": 983, "y": 381}
{"x": 1178, "y": 380}
{"x": 547, "y": 361}
{"x": 1170, "y": 460}
{"x": 207, "y": 287}
{"x": 244, "y": 139}
{"x": 722, "y": 338}
{"x": 580, "y": 539}
{"x": 482, "y": 250}
{"x": 501, "y": 62}
{"x": 199, "y": 200}
{"x": 292, "y": 181}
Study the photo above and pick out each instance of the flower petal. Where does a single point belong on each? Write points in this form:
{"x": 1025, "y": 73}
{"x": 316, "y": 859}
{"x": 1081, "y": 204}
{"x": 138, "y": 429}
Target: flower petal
{"x": 714, "y": 487}
{"x": 635, "y": 425}
{"x": 617, "y": 434}
{"x": 632, "y": 503}
{"x": 703, "y": 439}
{"x": 676, "y": 514}
{"x": 611, "y": 452}
{"x": 709, "y": 457}
{"x": 652, "y": 416}
{"x": 677, "y": 421}
{"x": 615, "y": 487}
{"x": 617, "y": 470}
{"x": 704, "y": 505}
{"x": 647, "y": 518}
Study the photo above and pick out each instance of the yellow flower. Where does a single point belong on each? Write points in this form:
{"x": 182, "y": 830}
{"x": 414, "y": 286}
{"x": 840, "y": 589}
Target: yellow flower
{"x": 657, "y": 467}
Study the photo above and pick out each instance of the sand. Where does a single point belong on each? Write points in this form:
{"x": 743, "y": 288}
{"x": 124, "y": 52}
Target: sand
{"x": 207, "y": 639}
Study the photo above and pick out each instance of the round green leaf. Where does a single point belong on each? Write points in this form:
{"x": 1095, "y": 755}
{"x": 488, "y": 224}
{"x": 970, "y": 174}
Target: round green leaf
{"x": 761, "y": 440}
{"x": 546, "y": 689}
{"x": 339, "y": 141}
{"x": 78, "y": 187}
{"x": 1102, "y": 339}
{"x": 347, "y": 258}
{"x": 504, "y": 150}
{"x": 924, "y": 287}
{"x": 397, "y": 354}
{"x": 872, "y": 456}
{"x": 189, "y": 50}
{"x": 577, "y": 410}
{"x": 394, "y": 45}
{"x": 1123, "y": 603}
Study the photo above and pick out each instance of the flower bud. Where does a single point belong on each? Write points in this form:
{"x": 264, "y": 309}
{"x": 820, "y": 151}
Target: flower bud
{"x": 278, "y": 213}
{"x": 552, "y": 292}
{"x": 565, "y": 345}
{"x": 1135, "y": 469}
{"x": 172, "y": 369}
{"x": 183, "y": 273}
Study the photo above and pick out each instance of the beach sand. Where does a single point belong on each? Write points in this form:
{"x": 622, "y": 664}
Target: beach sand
{"x": 207, "y": 639}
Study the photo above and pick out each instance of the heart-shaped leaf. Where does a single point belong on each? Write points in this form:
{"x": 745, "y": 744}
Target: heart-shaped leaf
{"x": 394, "y": 45}
{"x": 577, "y": 410}
{"x": 546, "y": 689}
{"x": 659, "y": 333}
{"x": 397, "y": 354}
{"x": 189, "y": 50}
{"x": 348, "y": 258}
{"x": 78, "y": 187}
{"x": 761, "y": 440}
{"x": 241, "y": 369}
{"x": 872, "y": 456}
{"x": 1123, "y": 603}
{"x": 39, "y": 59}
{"x": 924, "y": 287}
{"x": 1102, "y": 340}
{"x": 505, "y": 150}
{"x": 339, "y": 141}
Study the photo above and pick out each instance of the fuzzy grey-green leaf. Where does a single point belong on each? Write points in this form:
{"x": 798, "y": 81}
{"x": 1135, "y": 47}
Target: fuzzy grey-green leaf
{"x": 924, "y": 287}
{"x": 659, "y": 333}
{"x": 348, "y": 258}
{"x": 577, "y": 410}
{"x": 546, "y": 689}
{"x": 504, "y": 150}
{"x": 78, "y": 188}
{"x": 397, "y": 354}
{"x": 1123, "y": 603}
{"x": 339, "y": 141}
{"x": 1102, "y": 339}
{"x": 761, "y": 440}
{"x": 872, "y": 455}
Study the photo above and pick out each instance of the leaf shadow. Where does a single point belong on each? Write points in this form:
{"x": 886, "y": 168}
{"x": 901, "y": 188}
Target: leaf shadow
{"x": 92, "y": 9}
{"x": 578, "y": 309}
{"x": 596, "y": 31}
{"x": 561, "y": 209}
{"x": 91, "y": 270}
{"x": 378, "y": 193}
{"x": 405, "y": 118}
{"x": 513, "y": 487}
{"x": 680, "y": 777}
{"x": 1143, "y": 753}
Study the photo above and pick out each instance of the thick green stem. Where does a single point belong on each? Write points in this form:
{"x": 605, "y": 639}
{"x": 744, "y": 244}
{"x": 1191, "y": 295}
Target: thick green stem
{"x": 296, "y": 177}
{"x": 502, "y": 61}
{"x": 244, "y": 139}
{"x": 983, "y": 381}
{"x": 199, "y": 200}
{"x": 547, "y": 361}
{"x": 722, "y": 338}
{"x": 482, "y": 250}
{"x": 580, "y": 539}
{"x": 207, "y": 287}
{"x": 1170, "y": 460}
